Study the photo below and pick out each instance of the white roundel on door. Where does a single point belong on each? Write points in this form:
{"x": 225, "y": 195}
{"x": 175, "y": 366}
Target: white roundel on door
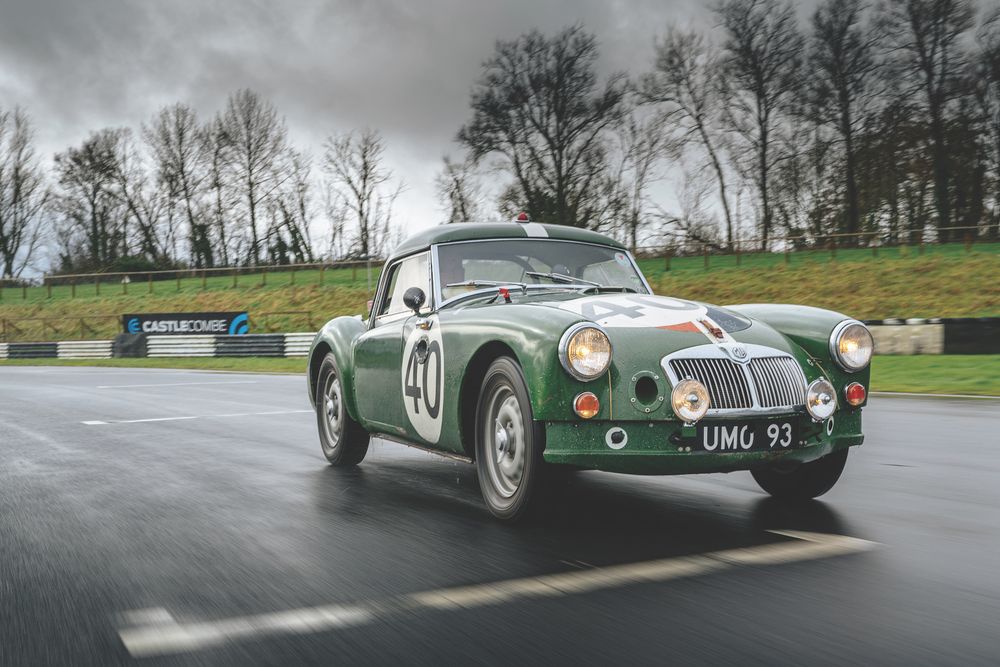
{"x": 423, "y": 380}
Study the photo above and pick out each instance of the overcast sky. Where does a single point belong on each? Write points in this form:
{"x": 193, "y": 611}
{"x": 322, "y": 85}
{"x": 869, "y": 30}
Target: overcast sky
{"x": 402, "y": 67}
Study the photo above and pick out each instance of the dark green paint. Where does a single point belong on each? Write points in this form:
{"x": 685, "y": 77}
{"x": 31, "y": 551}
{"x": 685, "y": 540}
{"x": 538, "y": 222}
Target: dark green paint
{"x": 371, "y": 361}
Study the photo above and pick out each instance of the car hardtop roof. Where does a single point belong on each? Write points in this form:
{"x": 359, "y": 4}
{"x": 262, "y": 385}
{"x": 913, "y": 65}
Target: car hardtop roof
{"x": 479, "y": 231}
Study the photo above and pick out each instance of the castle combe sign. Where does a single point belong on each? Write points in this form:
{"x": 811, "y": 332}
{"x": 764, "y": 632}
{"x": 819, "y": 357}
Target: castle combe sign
{"x": 187, "y": 324}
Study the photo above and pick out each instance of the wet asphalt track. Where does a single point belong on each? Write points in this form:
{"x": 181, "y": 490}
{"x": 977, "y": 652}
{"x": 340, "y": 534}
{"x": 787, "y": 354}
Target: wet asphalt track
{"x": 222, "y": 517}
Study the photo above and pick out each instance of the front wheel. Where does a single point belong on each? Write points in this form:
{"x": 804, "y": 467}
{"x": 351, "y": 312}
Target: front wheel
{"x": 344, "y": 441}
{"x": 805, "y": 481}
{"x": 508, "y": 452}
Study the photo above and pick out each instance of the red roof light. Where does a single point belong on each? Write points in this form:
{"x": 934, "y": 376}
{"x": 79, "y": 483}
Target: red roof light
{"x": 522, "y": 217}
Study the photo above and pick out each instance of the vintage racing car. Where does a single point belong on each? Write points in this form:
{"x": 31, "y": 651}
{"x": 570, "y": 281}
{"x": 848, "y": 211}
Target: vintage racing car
{"x": 527, "y": 347}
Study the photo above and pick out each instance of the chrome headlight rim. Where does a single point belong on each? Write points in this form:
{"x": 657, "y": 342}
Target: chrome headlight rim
{"x": 684, "y": 386}
{"x": 834, "y": 345}
{"x": 830, "y": 391}
{"x": 564, "y": 350}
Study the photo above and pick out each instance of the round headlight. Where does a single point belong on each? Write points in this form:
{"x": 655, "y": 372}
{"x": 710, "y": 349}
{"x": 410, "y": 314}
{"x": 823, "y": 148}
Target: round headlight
{"x": 585, "y": 352}
{"x": 690, "y": 400}
{"x": 821, "y": 399}
{"x": 851, "y": 345}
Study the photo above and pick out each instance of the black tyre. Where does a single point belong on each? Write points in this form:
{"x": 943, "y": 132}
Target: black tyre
{"x": 344, "y": 441}
{"x": 508, "y": 449}
{"x": 805, "y": 481}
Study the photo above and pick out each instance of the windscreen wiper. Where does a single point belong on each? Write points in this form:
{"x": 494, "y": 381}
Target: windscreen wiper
{"x": 489, "y": 283}
{"x": 612, "y": 288}
{"x": 561, "y": 278}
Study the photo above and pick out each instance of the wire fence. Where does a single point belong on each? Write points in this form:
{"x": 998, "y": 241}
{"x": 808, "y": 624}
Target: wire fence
{"x": 362, "y": 274}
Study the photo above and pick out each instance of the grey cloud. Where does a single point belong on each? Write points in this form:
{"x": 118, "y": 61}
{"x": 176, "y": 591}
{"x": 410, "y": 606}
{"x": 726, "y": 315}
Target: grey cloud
{"x": 402, "y": 67}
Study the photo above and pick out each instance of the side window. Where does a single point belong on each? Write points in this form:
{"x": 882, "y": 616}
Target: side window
{"x": 411, "y": 272}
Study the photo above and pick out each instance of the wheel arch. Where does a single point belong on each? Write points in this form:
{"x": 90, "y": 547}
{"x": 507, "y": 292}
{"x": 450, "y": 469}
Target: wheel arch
{"x": 336, "y": 338}
{"x": 472, "y": 381}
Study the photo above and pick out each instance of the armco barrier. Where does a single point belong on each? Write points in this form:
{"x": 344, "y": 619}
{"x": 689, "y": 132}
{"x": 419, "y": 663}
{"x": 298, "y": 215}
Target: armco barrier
{"x": 180, "y": 346}
{"x": 249, "y": 345}
{"x": 84, "y": 349}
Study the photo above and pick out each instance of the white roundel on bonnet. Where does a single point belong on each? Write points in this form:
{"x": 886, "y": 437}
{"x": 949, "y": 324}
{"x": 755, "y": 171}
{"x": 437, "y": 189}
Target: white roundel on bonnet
{"x": 635, "y": 310}
{"x": 423, "y": 381}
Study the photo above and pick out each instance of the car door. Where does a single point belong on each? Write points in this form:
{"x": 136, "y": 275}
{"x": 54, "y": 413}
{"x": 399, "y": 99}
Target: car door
{"x": 378, "y": 363}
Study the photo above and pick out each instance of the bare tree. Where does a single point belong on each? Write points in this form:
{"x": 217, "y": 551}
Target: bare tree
{"x": 458, "y": 190}
{"x": 291, "y": 213}
{"x": 89, "y": 203}
{"x": 538, "y": 105}
{"x": 844, "y": 85}
{"x": 257, "y": 143}
{"x": 763, "y": 57}
{"x": 361, "y": 183}
{"x": 644, "y": 143}
{"x": 215, "y": 151}
{"x": 686, "y": 81}
{"x": 23, "y": 194}
{"x": 924, "y": 40}
{"x": 174, "y": 137}
{"x": 986, "y": 76}
{"x": 140, "y": 201}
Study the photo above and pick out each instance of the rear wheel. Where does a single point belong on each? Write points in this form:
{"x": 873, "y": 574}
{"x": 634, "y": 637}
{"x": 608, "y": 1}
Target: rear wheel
{"x": 344, "y": 441}
{"x": 508, "y": 453}
{"x": 805, "y": 481}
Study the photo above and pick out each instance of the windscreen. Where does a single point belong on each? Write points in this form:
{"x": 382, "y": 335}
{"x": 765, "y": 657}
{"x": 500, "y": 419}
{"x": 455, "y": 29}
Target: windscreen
{"x": 534, "y": 262}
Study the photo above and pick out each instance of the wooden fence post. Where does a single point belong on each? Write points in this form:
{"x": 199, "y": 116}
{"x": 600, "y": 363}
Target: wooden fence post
{"x": 149, "y": 279}
{"x": 72, "y": 289}
{"x": 178, "y": 276}
{"x": 24, "y": 291}
{"x": 292, "y": 278}
{"x": 97, "y": 286}
{"x": 48, "y": 289}
{"x": 321, "y": 270}
{"x": 705, "y": 249}
{"x": 204, "y": 279}
{"x": 235, "y": 274}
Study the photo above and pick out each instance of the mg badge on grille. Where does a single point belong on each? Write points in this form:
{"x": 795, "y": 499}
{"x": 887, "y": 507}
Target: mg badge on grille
{"x": 737, "y": 351}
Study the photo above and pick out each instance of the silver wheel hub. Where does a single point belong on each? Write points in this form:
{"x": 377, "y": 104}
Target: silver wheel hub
{"x": 333, "y": 406}
{"x": 506, "y": 441}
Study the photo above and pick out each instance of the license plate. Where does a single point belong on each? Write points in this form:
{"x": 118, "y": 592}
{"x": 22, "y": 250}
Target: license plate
{"x": 757, "y": 436}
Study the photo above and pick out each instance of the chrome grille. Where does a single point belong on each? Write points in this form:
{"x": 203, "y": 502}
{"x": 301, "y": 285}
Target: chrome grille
{"x": 779, "y": 381}
{"x": 725, "y": 380}
{"x": 765, "y": 382}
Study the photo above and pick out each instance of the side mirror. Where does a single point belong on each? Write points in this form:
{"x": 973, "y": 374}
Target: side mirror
{"x": 414, "y": 298}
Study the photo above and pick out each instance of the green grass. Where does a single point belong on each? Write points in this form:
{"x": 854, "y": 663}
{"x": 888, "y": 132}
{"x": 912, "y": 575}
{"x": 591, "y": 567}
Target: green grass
{"x": 977, "y": 374}
{"x": 944, "y": 281}
{"x": 933, "y": 374}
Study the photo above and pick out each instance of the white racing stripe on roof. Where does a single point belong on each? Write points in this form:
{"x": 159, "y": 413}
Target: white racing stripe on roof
{"x": 533, "y": 229}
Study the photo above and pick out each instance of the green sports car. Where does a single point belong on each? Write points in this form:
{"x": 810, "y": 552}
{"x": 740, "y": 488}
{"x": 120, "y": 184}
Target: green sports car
{"x": 528, "y": 348}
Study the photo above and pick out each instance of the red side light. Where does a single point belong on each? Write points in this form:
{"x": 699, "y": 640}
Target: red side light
{"x": 522, "y": 217}
{"x": 855, "y": 394}
{"x": 586, "y": 405}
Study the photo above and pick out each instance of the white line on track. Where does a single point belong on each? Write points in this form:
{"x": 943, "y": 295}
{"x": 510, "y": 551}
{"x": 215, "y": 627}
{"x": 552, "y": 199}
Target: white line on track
{"x": 163, "y": 635}
{"x": 173, "y": 384}
{"x": 97, "y": 422}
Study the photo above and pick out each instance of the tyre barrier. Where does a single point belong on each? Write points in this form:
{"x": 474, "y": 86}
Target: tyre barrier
{"x": 958, "y": 335}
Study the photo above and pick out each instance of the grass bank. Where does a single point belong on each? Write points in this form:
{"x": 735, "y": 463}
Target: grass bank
{"x": 944, "y": 281}
{"x": 933, "y": 374}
